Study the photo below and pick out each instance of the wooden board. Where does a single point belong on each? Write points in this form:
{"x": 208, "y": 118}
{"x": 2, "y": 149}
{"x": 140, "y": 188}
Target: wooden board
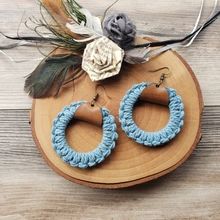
{"x": 31, "y": 190}
{"x": 130, "y": 163}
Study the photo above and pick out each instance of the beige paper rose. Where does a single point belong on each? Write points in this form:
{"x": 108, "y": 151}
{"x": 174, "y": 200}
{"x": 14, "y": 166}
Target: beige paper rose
{"x": 102, "y": 59}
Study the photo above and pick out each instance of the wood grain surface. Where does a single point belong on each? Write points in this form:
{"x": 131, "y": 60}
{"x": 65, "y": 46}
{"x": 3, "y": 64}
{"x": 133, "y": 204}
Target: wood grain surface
{"x": 130, "y": 163}
{"x": 30, "y": 190}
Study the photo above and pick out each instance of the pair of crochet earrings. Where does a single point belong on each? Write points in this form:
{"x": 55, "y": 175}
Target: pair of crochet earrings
{"x": 102, "y": 116}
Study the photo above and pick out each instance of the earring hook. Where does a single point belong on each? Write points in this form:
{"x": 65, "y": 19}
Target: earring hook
{"x": 100, "y": 91}
{"x": 94, "y": 99}
{"x": 162, "y": 78}
{"x": 163, "y": 75}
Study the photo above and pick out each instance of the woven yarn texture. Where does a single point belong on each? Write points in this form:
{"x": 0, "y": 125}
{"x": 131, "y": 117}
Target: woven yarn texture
{"x": 151, "y": 139}
{"x": 81, "y": 159}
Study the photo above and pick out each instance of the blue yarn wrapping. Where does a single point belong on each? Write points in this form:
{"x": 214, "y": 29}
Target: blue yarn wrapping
{"x": 81, "y": 159}
{"x": 151, "y": 139}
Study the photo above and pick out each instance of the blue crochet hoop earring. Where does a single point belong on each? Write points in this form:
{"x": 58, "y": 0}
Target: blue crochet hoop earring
{"x": 90, "y": 113}
{"x": 176, "y": 120}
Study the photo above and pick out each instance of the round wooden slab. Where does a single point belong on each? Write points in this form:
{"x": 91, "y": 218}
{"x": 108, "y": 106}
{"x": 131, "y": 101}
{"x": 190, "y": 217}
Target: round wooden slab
{"x": 130, "y": 163}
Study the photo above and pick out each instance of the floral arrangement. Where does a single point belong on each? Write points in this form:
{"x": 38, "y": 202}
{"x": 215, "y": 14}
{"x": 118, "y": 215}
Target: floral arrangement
{"x": 97, "y": 45}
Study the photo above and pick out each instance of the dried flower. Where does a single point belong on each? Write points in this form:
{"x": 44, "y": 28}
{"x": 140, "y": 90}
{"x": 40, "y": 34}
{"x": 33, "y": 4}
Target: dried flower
{"x": 120, "y": 29}
{"x": 102, "y": 58}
